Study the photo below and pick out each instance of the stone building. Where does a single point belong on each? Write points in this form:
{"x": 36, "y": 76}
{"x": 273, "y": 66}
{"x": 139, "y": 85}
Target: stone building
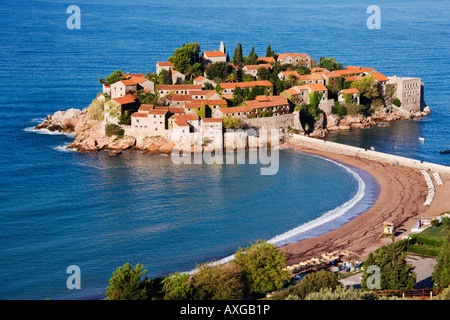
{"x": 294, "y": 58}
{"x": 163, "y": 65}
{"x": 409, "y": 91}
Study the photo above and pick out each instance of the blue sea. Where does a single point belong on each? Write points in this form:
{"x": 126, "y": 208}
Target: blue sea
{"x": 61, "y": 208}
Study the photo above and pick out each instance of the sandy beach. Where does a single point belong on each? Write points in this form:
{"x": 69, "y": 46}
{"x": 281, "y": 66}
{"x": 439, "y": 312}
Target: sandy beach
{"x": 401, "y": 201}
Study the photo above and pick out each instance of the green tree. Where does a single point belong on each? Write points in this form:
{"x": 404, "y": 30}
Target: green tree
{"x": 330, "y": 64}
{"x": 125, "y": 117}
{"x": 312, "y": 282}
{"x": 339, "y": 109}
{"x": 269, "y": 52}
{"x": 340, "y": 293}
{"x": 113, "y": 78}
{"x": 185, "y": 57}
{"x": 252, "y": 58}
{"x": 193, "y": 71}
{"x": 368, "y": 87}
{"x": 177, "y": 287}
{"x": 247, "y": 77}
{"x": 263, "y": 73}
{"x": 395, "y": 272}
{"x": 165, "y": 77}
{"x": 146, "y": 97}
{"x": 208, "y": 86}
{"x": 238, "y": 58}
{"x": 218, "y": 71}
{"x": 441, "y": 272}
{"x": 127, "y": 284}
{"x": 231, "y": 122}
{"x": 292, "y": 80}
{"x": 314, "y": 99}
{"x": 263, "y": 267}
{"x": 302, "y": 70}
{"x": 222, "y": 282}
{"x": 446, "y": 222}
{"x": 397, "y": 102}
{"x": 113, "y": 129}
{"x": 238, "y": 96}
{"x": 232, "y": 77}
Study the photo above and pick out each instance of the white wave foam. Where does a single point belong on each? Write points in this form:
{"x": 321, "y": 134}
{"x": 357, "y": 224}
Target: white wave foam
{"x": 64, "y": 148}
{"x": 326, "y": 217}
{"x": 46, "y": 131}
{"x": 38, "y": 120}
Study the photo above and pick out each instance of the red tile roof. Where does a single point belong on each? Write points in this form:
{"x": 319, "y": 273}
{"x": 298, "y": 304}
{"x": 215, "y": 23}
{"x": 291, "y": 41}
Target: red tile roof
{"x": 129, "y": 98}
{"x": 145, "y": 107}
{"x": 158, "y": 111}
{"x": 235, "y": 109}
{"x": 164, "y": 64}
{"x": 351, "y": 90}
{"x": 283, "y": 56}
{"x": 310, "y": 77}
{"x": 331, "y": 74}
{"x": 200, "y": 103}
{"x": 266, "y": 59}
{"x": 129, "y": 82}
{"x": 199, "y": 78}
{"x": 286, "y": 74}
{"x": 206, "y": 93}
{"x": 139, "y": 115}
{"x": 174, "y": 87}
{"x": 297, "y": 89}
{"x": 353, "y": 78}
{"x": 176, "y": 110}
{"x": 185, "y": 117}
{"x": 316, "y": 87}
{"x": 138, "y": 79}
{"x": 181, "y": 97}
{"x": 214, "y": 53}
{"x": 247, "y": 84}
{"x": 181, "y": 123}
{"x": 257, "y": 66}
{"x": 272, "y": 101}
{"x": 379, "y": 76}
{"x": 348, "y": 72}
{"x": 363, "y": 69}
{"x": 212, "y": 120}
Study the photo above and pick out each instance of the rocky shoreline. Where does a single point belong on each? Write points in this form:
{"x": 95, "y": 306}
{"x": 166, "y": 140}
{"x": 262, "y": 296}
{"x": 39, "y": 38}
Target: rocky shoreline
{"x": 90, "y": 134}
{"x": 328, "y": 122}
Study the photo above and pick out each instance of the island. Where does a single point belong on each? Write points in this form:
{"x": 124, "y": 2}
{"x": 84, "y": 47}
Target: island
{"x": 215, "y": 94}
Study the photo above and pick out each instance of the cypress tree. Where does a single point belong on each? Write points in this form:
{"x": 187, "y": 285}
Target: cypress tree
{"x": 237, "y": 56}
{"x": 269, "y": 52}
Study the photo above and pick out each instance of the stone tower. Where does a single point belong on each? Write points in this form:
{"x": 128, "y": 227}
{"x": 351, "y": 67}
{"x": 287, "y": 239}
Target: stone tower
{"x": 222, "y": 47}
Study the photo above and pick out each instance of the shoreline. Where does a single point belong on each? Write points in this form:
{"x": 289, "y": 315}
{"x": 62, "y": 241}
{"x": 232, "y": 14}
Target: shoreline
{"x": 403, "y": 191}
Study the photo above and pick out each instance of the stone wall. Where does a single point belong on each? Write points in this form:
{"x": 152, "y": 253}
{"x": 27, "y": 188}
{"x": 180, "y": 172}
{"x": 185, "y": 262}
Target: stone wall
{"x": 275, "y": 122}
{"x": 333, "y": 147}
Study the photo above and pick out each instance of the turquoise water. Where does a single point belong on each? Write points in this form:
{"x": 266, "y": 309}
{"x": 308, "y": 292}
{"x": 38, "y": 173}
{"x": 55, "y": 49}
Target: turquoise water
{"x": 98, "y": 212}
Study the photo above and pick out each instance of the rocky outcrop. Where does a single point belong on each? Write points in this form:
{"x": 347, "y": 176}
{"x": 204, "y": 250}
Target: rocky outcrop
{"x": 158, "y": 145}
{"x": 332, "y": 122}
{"x": 62, "y": 121}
